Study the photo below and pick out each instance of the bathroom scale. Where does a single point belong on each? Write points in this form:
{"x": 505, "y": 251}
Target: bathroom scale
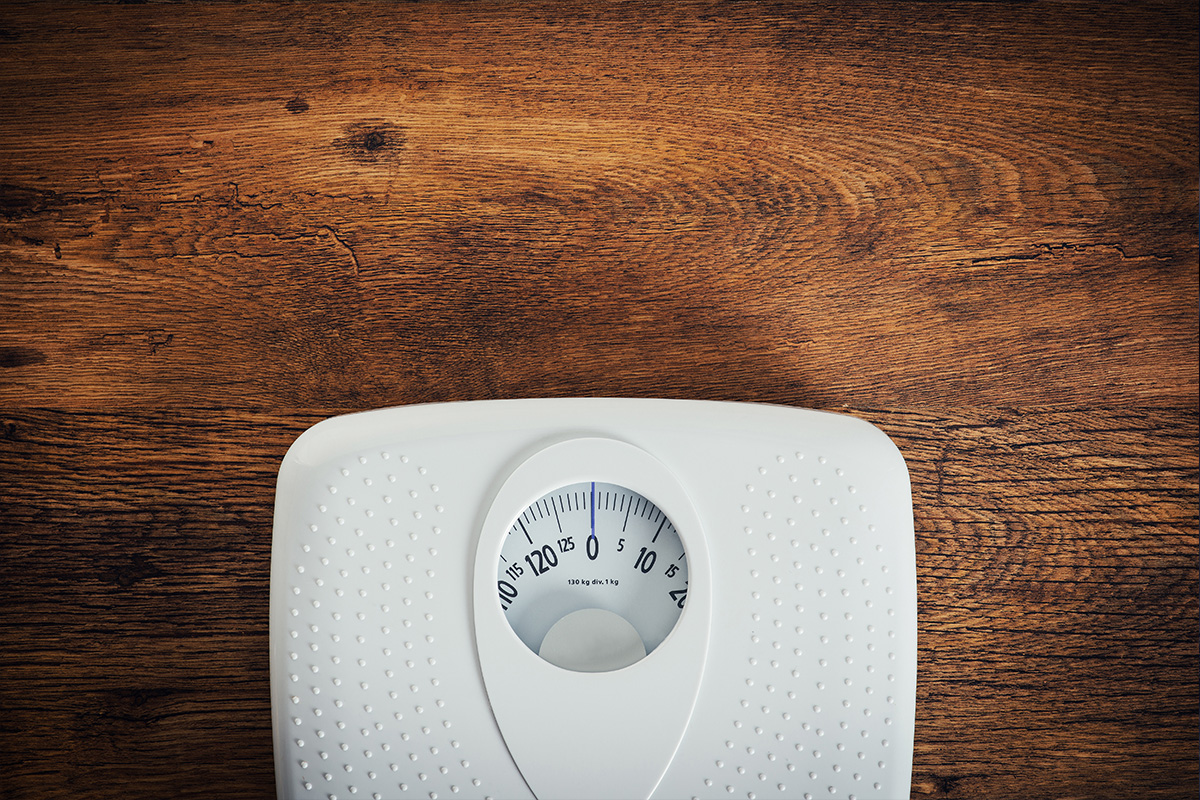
{"x": 593, "y": 599}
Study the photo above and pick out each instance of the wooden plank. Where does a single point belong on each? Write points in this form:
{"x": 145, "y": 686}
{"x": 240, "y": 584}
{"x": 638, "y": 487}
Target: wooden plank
{"x": 1057, "y": 582}
{"x": 1056, "y": 568}
{"x": 243, "y": 205}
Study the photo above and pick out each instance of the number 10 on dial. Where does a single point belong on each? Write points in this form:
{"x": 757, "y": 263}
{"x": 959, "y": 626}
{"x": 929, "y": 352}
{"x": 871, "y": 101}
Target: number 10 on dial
{"x": 592, "y": 576}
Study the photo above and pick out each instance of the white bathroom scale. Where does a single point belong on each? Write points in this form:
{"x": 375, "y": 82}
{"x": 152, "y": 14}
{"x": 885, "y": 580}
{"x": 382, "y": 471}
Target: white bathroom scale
{"x": 593, "y": 599}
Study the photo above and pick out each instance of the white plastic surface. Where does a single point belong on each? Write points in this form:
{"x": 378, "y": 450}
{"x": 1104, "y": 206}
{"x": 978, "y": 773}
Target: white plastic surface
{"x": 791, "y": 672}
{"x": 577, "y": 735}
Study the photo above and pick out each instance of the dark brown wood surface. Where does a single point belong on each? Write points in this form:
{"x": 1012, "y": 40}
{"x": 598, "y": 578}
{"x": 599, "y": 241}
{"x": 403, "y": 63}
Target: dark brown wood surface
{"x": 974, "y": 225}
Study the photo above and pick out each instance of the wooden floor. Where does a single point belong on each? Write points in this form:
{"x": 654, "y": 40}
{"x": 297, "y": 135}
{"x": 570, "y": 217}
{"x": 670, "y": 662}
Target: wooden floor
{"x": 974, "y": 225}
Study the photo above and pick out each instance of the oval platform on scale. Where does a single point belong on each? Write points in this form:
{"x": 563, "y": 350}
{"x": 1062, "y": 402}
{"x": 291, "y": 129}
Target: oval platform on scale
{"x": 565, "y": 728}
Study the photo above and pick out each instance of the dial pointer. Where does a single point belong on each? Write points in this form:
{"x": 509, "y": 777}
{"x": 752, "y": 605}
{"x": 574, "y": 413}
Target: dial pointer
{"x": 593, "y": 536}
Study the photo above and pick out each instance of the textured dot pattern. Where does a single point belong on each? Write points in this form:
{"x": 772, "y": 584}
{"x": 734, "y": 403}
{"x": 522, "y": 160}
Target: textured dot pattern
{"x": 374, "y": 711}
{"x": 814, "y": 699}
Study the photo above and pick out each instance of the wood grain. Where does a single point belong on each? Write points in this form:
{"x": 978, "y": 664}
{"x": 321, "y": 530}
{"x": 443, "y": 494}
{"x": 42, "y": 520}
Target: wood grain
{"x": 974, "y": 225}
{"x": 253, "y": 205}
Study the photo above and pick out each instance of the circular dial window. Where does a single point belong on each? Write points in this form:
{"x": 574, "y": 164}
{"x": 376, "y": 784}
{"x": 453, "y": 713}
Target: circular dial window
{"x": 592, "y": 577}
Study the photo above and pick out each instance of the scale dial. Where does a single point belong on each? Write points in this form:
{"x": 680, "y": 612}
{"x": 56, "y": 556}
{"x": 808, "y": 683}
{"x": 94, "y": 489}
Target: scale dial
{"x": 592, "y": 576}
